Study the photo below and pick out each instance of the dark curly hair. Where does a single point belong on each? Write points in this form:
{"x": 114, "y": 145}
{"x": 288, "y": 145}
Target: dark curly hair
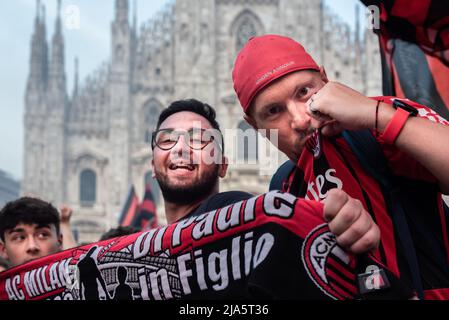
{"x": 28, "y": 211}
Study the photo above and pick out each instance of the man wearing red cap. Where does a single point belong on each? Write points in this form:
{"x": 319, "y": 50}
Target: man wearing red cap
{"x": 280, "y": 86}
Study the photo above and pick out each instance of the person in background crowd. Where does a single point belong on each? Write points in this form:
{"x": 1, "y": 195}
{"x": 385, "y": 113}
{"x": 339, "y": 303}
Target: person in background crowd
{"x": 29, "y": 229}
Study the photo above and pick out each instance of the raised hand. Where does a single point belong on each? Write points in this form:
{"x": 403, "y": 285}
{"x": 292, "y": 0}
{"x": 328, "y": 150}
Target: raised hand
{"x": 337, "y": 107}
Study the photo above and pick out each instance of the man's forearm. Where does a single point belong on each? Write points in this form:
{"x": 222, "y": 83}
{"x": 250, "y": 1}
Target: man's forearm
{"x": 424, "y": 140}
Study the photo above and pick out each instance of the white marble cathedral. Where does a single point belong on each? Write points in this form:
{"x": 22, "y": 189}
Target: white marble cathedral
{"x": 86, "y": 148}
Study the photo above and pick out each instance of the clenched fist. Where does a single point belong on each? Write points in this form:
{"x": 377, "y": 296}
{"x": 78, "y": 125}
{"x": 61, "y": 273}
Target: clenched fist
{"x": 337, "y": 107}
{"x": 66, "y": 213}
{"x": 350, "y": 222}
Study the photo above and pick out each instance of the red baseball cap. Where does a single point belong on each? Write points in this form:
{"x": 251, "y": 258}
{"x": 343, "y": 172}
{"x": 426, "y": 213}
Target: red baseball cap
{"x": 264, "y": 59}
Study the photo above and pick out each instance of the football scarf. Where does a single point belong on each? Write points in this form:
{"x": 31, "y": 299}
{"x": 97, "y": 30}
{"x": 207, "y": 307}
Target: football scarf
{"x": 273, "y": 246}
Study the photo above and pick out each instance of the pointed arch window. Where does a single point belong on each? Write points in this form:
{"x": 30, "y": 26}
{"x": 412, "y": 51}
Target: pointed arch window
{"x": 245, "y": 26}
{"x": 88, "y": 188}
{"x": 245, "y": 31}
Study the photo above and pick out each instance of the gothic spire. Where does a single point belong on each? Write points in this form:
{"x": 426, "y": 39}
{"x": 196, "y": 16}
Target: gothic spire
{"x": 58, "y": 19}
{"x": 35, "y": 63}
{"x": 75, "y": 81}
{"x": 36, "y": 20}
{"x": 121, "y": 37}
{"x": 38, "y": 57}
{"x": 357, "y": 23}
{"x": 43, "y": 11}
{"x": 42, "y": 22}
{"x": 134, "y": 38}
{"x": 57, "y": 74}
{"x": 135, "y": 17}
{"x": 44, "y": 44}
{"x": 121, "y": 10}
{"x": 358, "y": 48}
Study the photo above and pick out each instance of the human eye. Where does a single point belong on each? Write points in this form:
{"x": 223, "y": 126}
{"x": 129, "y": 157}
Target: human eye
{"x": 165, "y": 140}
{"x": 196, "y": 139}
{"x": 196, "y": 136}
{"x": 44, "y": 234}
{"x": 164, "y": 137}
{"x": 17, "y": 237}
{"x": 273, "y": 111}
{"x": 302, "y": 92}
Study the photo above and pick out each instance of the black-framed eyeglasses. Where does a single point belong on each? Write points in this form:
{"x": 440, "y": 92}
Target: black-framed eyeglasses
{"x": 195, "y": 138}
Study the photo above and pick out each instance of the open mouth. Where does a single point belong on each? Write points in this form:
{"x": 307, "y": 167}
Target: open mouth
{"x": 183, "y": 166}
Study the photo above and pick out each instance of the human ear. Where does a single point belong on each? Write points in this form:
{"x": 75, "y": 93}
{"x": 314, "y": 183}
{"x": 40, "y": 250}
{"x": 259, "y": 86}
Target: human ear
{"x": 3, "y": 252}
{"x": 153, "y": 175}
{"x": 223, "y": 168}
{"x": 323, "y": 75}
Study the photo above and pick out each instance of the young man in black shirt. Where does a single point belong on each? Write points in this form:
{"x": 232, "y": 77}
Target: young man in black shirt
{"x": 188, "y": 160}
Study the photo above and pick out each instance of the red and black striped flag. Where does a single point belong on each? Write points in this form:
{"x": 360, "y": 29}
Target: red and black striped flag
{"x": 130, "y": 209}
{"x": 414, "y": 45}
{"x": 147, "y": 217}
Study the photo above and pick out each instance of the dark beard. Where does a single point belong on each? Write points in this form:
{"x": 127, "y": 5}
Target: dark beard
{"x": 183, "y": 195}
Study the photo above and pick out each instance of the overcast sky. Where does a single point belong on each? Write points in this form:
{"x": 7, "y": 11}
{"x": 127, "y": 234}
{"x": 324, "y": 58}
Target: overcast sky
{"x": 90, "y": 43}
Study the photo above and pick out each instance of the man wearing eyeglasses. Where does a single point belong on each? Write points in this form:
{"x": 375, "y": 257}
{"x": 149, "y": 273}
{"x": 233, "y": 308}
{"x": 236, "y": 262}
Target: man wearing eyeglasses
{"x": 188, "y": 160}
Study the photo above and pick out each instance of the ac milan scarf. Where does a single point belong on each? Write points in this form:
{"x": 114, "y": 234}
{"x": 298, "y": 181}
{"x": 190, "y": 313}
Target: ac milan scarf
{"x": 274, "y": 246}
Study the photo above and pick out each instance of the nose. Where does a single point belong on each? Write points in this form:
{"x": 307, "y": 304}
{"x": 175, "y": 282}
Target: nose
{"x": 181, "y": 147}
{"x": 300, "y": 120}
{"x": 32, "y": 246}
